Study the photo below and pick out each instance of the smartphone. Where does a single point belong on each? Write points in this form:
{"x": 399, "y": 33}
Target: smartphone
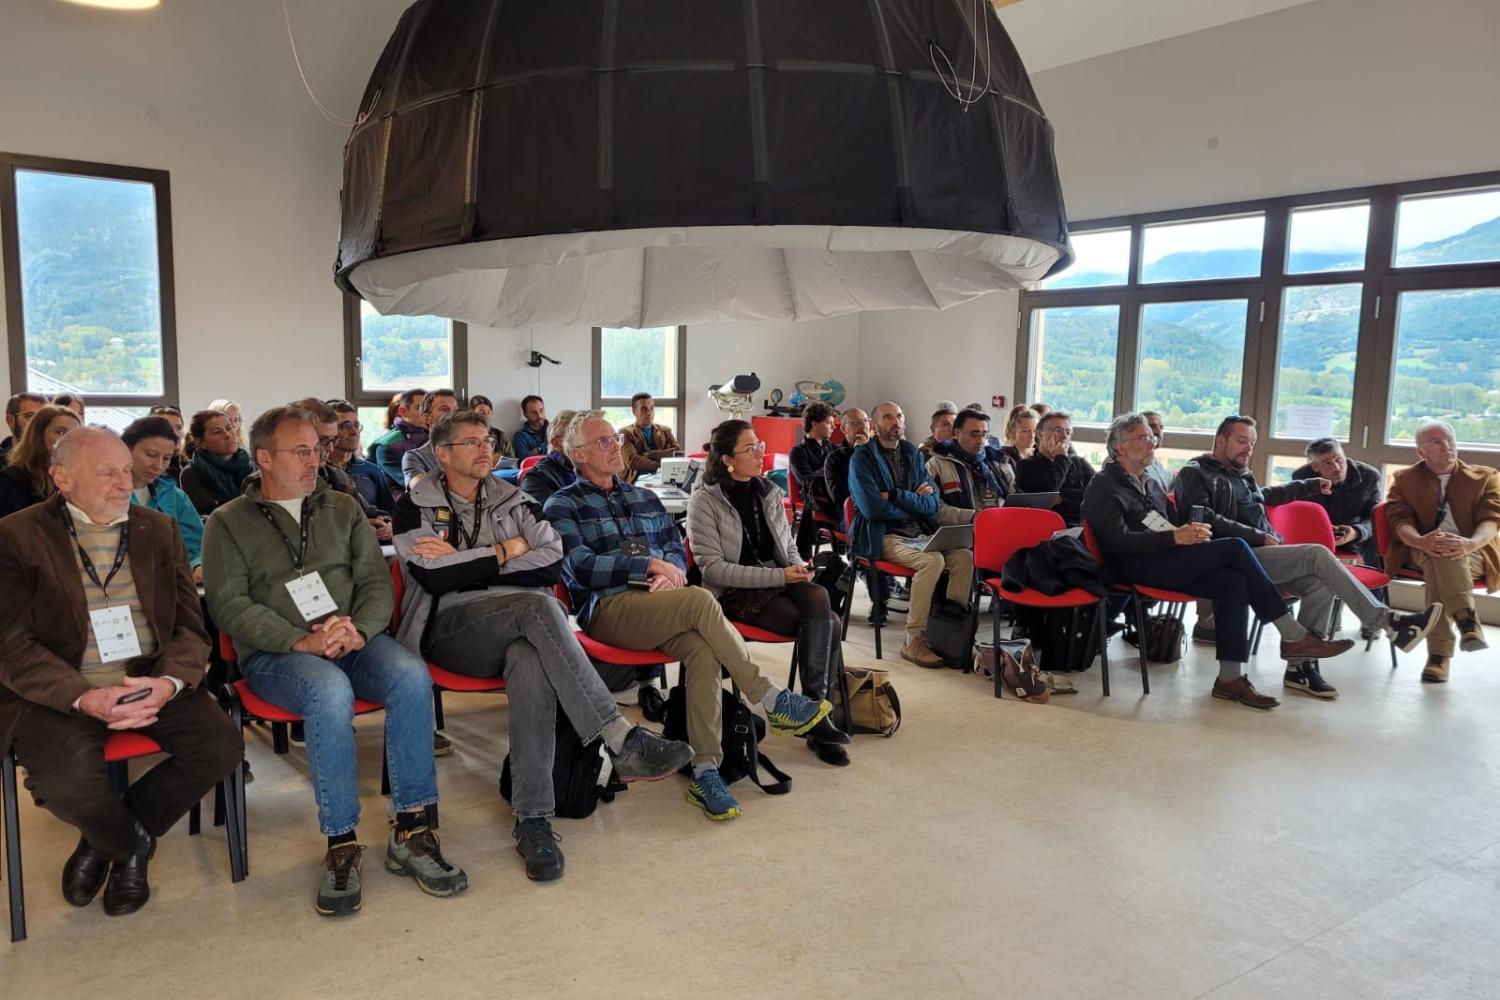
{"x": 1198, "y": 514}
{"x": 139, "y": 695}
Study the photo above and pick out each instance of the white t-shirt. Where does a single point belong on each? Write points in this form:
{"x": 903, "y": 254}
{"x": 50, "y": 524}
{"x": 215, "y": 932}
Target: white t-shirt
{"x": 1447, "y": 523}
{"x": 292, "y": 507}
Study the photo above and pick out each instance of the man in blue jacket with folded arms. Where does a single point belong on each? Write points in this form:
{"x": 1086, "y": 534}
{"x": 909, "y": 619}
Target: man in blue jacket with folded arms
{"x": 895, "y": 501}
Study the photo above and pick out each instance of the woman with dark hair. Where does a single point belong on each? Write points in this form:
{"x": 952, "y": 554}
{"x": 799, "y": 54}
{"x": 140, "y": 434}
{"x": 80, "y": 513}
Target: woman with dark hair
{"x": 742, "y": 545}
{"x": 500, "y": 445}
{"x": 216, "y": 474}
{"x": 25, "y": 479}
{"x": 173, "y": 416}
{"x": 153, "y": 442}
{"x": 72, "y": 401}
{"x": 1020, "y": 433}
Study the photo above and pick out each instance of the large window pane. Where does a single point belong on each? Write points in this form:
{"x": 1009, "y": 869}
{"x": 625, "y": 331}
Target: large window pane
{"x": 1101, "y": 258}
{"x": 1447, "y": 345}
{"x": 1328, "y": 239}
{"x": 632, "y": 361}
{"x": 1191, "y": 358}
{"x": 1198, "y": 251}
{"x": 90, "y": 283}
{"x": 399, "y": 352}
{"x": 1448, "y": 229}
{"x": 1074, "y": 348}
{"x": 1315, "y": 375}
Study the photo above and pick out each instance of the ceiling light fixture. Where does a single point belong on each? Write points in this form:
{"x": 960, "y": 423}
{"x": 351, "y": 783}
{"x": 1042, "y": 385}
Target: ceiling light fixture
{"x": 117, "y": 4}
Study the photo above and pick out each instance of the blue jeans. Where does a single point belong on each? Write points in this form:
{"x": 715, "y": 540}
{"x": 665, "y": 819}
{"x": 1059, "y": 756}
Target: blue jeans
{"x": 322, "y": 691}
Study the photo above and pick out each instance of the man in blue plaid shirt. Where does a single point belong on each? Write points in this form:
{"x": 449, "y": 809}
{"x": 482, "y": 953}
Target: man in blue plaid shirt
{"x": 624, "y": 565}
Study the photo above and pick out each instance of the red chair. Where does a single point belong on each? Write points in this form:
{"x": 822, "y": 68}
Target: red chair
{"x": 120, "y": 748}
{"x": 752, "y": 634}
{"x": 617, "y": 656}
{"x": 999, "y": 533}
{"x": 529, "y": 461}
{"x": 1383, "y": 541}
{"x": 878, "y": 569}
{"x": 826, "y": 525}
{"x": 442, "y": 680}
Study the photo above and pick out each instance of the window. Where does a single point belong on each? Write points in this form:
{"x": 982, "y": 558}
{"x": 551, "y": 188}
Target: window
{"x": 385, "y": 354}
{"x": 1099, "y": 258}
{"x": 1075, "y": 350}
{"x": 1315, "y": 374}
{"x": 1461, "y": 228}
{"x": 1446, "y": 350}
{"x": 1190, "y": 361}
{"x": 628, "y": 361}
{"x": 1203, "y": 250}
{"x": 88, "y": 280}
{"x": 1325, "y": 238}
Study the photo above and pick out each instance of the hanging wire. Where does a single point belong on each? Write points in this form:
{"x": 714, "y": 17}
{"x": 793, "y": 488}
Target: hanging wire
{"x": 934, "y": 50}
{"x": 322, "y": 108}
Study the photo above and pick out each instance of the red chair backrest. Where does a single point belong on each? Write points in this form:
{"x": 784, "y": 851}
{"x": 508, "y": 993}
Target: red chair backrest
{"x": 793, "y": 491}
{"x": 1302, "y": 522}
{"x": 560, "y": 589}
{"x": 398, "y": 593}
{"x": 849, "y": 514}
{"x": 226, "y": 648}
{"x": 1382, "y": 528}
{"x": 529, "y": 461}
{"x": 1091, "y": 542}
{"x": 1000, "y": 532}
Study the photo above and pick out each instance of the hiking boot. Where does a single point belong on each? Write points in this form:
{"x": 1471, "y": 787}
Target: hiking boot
{"x": 1241, "y": 690}
{"x": 339, "y": 891}
{"x": 418, "y": 855}
{"x": 708, "y": 792}
{"x": 441, "y": 746}
{"x": 1307, "y": 679}
{"x": 646, "y": 756}
{"x": 1412, "y": 629}
{"x": 1436, "y": 671}
{"x": 652, "y": 702}
{"x": 1470, "y": 633}
{"x": 1313, "y": 646}
{"x": 917, "y": 650}
{"x": 537, "y": 844}
{"x": 1204, "y": 636}
{"x": 796, "y": 714}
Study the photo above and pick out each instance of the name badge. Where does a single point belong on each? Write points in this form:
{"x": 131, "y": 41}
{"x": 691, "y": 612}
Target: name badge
{"x": 1155, "y": 522}
{"x": 311, "y": 596}
{"x": 114, "y": 634}
{"x": 634, "y": 547}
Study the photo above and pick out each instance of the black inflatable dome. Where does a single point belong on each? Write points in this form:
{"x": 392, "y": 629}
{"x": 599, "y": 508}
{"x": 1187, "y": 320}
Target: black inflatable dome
{"x": 646, "y": 162}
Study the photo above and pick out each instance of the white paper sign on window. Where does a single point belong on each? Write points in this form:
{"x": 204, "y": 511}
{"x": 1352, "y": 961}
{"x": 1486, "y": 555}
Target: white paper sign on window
{"x": 1309, "y": 422}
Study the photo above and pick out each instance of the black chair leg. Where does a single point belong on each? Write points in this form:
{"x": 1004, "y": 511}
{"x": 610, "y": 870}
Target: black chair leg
{"x": 1140, "y": 634}
{"x": 224, "y": 796}
{"x": 880, "y": 610}
{"x": 280, "y": 743}
{"x": 385, "y": 770}
{"x": 13, "y": 849}
{"x": 221, "y": 804}
{"x": 998, "y": 661}
{"x": 437, "y": 706}
{"x": 1101, "y": 629}
{"x": 791, "y": 680}
{"x": 195, "y": 819}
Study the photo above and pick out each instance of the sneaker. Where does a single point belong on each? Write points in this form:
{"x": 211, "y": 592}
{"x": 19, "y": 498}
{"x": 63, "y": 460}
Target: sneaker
{"x": 537, "y": 844}
{"x": 1241, "y": 690}
{"x": 1057, "y": 683}
{"x": 708, "y": 792}
{"x": 441, "y": 746}
{"x": 919, "y": 651}
{"x": 1411, "y": 629}
{"x": 796, "y": 714}
{"x": 418, "y": 855}
{"x": 339, "y": 891}
{"x": 876, "y": 619}
{"x": 1308, "y": 680}
{"x": 1436, "y": 671}
{"x": 1313, "y": 646}
{"x": 1470, "y": 633}
{"x": 652, "y": 702}
{"x": 1204, "y": 635}
{"x": 647, "y": 756}
{"x": 896, "y": 603}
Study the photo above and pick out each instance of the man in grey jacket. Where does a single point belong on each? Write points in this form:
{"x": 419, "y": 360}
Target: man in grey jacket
{"x": 479, "y": 560}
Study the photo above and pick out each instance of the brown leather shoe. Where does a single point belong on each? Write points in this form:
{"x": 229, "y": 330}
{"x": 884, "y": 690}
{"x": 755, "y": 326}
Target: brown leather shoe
{"x": 1314, "y": 647}
{"x": 920, "y": 652}
{"x": 1436, "y": 671}
{"x": 1241, "y": 690}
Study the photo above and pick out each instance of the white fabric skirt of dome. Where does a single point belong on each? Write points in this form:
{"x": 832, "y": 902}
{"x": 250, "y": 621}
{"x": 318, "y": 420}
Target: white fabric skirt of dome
{"x": 660, "y": 277}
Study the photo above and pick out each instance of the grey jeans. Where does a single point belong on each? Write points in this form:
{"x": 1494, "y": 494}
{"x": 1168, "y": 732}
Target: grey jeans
{"x": 1314, "y": 574}
{"x": 527, "y": 637}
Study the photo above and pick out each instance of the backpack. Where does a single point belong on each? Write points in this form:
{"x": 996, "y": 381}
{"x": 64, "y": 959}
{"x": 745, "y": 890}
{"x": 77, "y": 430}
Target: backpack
{"x": 1057, "y": 629}
{"x": 950, "y": 631}
{"x": 1165, "y": 639}
{"x": 741, "y": 731}
{"x": 578, "y": 778}
{"x": 1016, "y": 670}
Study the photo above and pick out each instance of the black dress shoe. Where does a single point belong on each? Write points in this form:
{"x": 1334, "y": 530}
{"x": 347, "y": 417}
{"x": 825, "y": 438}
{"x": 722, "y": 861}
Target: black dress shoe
{"x": 127, "y": 889}
{"x": 653, "y": 704}
{"x": 829, "y": 753}
{"x": 83, "y": 874}
{"x": 826, "y": 732}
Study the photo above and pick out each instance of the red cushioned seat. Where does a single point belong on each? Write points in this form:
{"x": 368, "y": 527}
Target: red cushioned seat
{"x": 449, "y": 681}
{"x": 619, "y": 655}
{"x": 128, "y": 745}
{"x": 262, "y": 709}
{"x": 752, "y": 634}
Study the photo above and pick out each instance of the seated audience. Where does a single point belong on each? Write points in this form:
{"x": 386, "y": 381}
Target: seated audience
{"x": 554, "y": 471}
{"x": 805, "y": 464}
{"x": 419, "y": 461}
{"x": 836, "y": 466}
{"x": 743, "y": 547}
{"x": 295, "y": 577}
{"x": 67, "y": 686}
{"x": 216, "y": 473}
{"x": 72, "y": 401}
{"x": 1129, "y": 515}
{"x": 152, "y": 443}
{"x": 1054, "y": 468}
{"x": 895, "y": 500}
{"x": 173, "y": 416}
{"x": 406, "y": 432}
{"x": 645, "y": 443}
{"x": 1157, "y": 470}
{"x": 370, "y": 482}
{"x": 325, "y": 420}
{"x": 992, "y": 440}
{"x": 236, "y": 420}
{"x": 625, "y": 568}
{"x": 940, "y": 428}
{"x": 1444, "y": 515}
{"x": 1020, "y": 434}
{"x": 25, "y": 480}
{"x": 1356, "y": 489}
{"x": 482, "y": 563}
{"x": 500, "y": 446}
{"x": 531, "y": 437}
{"x": 19, "y": 409}
{"x": 970, "y": 473}
{"x": 1219, "y": 489}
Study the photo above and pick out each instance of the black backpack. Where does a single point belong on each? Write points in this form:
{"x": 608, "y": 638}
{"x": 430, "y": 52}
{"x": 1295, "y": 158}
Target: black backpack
{"x": 1057, "y": 629}
{"x": 576, "y": 767}
{"x": 742, "y": 731}
{"x": 950, "y": 631}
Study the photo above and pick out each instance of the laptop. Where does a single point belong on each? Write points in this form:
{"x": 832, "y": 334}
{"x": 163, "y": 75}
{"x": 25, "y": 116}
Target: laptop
{"x": 945, "y": 539}
{"x": 1045, "y": 500}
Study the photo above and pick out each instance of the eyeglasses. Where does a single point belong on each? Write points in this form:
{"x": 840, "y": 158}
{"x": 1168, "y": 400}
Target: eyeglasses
{"x": 482, "y": 443}
{"x": 350, "y": 425}
{"x": 164, "y": 411}
{"x": 303, "y": 452}
{"x": 603, "y": 443}
{"x": 758, "y": 448}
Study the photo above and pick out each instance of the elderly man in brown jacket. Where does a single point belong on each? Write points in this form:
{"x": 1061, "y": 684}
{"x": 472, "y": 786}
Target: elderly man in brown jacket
{"x": 1444, "y": 517}
{"x": 102, "y": 633}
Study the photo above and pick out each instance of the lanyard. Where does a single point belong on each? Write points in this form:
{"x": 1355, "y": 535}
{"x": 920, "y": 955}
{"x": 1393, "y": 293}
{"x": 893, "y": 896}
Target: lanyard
{"x": 299, "y": 555}
{"x": 609, "y": 504}
{"x": 466, "y": 541}
{"x": 83, "y": 557}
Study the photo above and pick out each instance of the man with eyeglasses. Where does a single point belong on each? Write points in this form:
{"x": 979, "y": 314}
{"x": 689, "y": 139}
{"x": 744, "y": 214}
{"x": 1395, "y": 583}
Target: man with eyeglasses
{"x": 481, "y": 563}
{"x": 369, "y": 481}
{"x": 325, "y": 419}
{"x": 295, "y": 577}
{"x": 419, "y": 461}
{"x": 970, "y": 473}
{"x": 1219, "y": 490}
{"x": 1055, "y": 468}
{"x": 626, "y": 570}
{"x": 19, "y": 409}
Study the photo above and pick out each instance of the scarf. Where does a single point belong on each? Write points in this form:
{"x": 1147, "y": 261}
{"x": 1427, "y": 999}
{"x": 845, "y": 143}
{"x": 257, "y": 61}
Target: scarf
{"x": 225, "y": 477}
{"x": 976, "y": 465}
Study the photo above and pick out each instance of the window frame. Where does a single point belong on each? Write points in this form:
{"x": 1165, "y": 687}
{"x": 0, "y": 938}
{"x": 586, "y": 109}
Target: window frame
{"x": 677, "y": 402}
{"x": 354, "y": 391}
{"x": 10, "y": 254}
{"x": 1380, "y": 280}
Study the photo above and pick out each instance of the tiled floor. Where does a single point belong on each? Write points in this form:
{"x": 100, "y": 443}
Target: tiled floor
{"x": 1158, "y": 847}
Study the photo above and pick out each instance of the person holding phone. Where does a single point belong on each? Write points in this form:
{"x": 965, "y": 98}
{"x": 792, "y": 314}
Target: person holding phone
{"x": 645, "y": 443}
{"x": 131, "y": 659}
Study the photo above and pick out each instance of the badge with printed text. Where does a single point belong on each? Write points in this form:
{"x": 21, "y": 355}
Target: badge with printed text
{"x": 114, "y": 634}
{"x": 634, "y": 547}
{"x": 311, "y": 596}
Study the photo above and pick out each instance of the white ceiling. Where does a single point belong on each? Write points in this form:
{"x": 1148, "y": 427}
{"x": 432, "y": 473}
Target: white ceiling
{"x": 1051, "y": 33}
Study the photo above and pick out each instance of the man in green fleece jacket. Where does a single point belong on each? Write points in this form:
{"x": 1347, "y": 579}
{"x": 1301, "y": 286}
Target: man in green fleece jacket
{"x": 295, "y": 577}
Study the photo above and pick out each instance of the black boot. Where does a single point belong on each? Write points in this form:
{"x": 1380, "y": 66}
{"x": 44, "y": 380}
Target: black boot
{"x": 83, "y": 873}
{"x": 127, "y": 889}
{"x": 818, "y": 657}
